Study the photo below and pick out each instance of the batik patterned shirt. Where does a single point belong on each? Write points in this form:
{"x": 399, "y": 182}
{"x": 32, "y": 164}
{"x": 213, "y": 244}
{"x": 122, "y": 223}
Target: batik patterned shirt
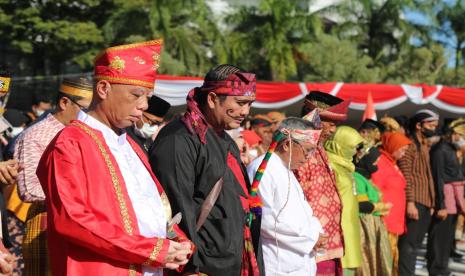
{"x": 319, "y": 185}
{"x": 28, "y": 150}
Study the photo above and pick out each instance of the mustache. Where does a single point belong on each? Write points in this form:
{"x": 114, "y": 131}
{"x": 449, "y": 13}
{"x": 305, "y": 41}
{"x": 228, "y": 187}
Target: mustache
{"x": 230, "y": 112}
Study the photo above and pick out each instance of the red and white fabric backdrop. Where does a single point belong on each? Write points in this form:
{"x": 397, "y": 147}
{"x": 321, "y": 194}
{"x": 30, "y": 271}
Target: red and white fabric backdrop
{"x": 276, "y": 95}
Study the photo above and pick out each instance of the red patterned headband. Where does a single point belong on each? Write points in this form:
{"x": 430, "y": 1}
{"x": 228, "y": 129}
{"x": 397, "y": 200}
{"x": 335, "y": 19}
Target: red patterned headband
{"x": 238, "y": 84}
{"x": 308, "y": 136}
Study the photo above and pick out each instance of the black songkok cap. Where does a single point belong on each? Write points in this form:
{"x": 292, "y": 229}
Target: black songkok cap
{"x": 372, "y": 124}
{"x": 323, "y": 98}
{"x": 158, "y": 107}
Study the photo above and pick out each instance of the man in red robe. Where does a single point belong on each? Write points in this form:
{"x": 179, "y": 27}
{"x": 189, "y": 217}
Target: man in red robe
{"x": 108, "y": 214}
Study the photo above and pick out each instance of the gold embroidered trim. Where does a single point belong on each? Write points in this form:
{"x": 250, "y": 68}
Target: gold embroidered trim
{"x": 156, "y": 250}
{"x": 129, "y": 46}
{"x": 134, "y": 45}
{"x": 119, "y": 194}
{"x": 118, "y": 64}
{"x": 319, "y": 104}
{"x": 139, "y": 60}
{"x": 126, "y": 81}
{"x": 167, "y": 206}
{"x": 73, "y": 91}
{"x": 156, "y": 61}
{"x": 132, "y": 270}
{"x": 114, "y": 178}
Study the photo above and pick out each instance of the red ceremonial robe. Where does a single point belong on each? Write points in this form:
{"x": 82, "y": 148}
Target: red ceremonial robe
{"x": 92, "y": 227}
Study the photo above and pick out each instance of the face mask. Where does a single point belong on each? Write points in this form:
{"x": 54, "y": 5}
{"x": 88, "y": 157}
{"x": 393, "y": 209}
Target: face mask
{"x": 146, "y": 131}
{"x": 460, "y": 143}
{"x": 253, "y": 153}
{"x": 428, "y": 133}
{"x": 14, "y": 131}
{"x": 39, "y": 112}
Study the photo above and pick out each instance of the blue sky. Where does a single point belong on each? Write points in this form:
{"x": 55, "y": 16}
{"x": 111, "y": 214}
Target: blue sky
{"x": 420, "y": 18}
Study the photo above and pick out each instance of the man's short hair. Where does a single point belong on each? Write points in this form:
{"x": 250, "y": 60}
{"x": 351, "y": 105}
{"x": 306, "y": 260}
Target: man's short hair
{"x": 41, "y": 98}
{"x": 4, "y": 72}
{"x": 218, "y": 73}
{"x": 221, "y": 72}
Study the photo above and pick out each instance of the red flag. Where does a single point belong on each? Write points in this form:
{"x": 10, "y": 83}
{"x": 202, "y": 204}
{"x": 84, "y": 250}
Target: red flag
{"x": 370, "y": 112}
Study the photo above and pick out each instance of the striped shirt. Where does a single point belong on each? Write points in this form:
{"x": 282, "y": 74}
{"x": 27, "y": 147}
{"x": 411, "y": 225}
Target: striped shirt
{"x": 416, "y": 168}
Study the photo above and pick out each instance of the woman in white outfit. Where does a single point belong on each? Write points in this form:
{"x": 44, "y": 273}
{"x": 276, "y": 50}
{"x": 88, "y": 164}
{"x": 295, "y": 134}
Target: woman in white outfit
{"x": 290, "y": 233}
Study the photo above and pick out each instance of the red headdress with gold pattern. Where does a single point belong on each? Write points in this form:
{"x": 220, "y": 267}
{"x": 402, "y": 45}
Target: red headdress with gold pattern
{"x": 134, "y": 64}
{"x": 330, "y": 108}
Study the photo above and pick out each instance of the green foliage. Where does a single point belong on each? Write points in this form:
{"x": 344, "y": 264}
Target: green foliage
{"x": 47, "y": 34}
{"x": 377, "y": 27}
{"x": 451, "y": 22}
{"x": 188, "y": 39}
{"x": 329, "y": 58}
{"x": 417, "y": 65}
{"x": 268, "y": 37}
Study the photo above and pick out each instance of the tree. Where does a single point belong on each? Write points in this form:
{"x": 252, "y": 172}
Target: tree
{"x": 47, "y": 35}
{"x": 452, "y": 77}
{"x": 378, "y": 27}
{"x": 451, "y": 23}
{"x": 268, "y": 37}
{"x": 188, "y": 40}
{"x": 416, "y": 65}
{"x": 330, "y": 59}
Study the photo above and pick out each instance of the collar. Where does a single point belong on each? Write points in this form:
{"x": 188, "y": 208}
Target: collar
{"x": 109, "y": 135}
{"x": 51, "y": 118}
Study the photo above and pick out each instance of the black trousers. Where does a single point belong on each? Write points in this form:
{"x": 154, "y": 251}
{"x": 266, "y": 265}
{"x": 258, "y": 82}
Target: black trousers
{"x": 440, "y": 240}
{"x": 412, "y": 240}
{"x": 455, "y": 220}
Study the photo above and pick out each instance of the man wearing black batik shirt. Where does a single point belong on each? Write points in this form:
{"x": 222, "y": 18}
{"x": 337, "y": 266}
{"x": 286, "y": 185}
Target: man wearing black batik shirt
{"x": 193, "y": 156}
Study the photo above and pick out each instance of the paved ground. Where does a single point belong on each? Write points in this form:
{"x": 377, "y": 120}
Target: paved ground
{"x": 456, "y": 266}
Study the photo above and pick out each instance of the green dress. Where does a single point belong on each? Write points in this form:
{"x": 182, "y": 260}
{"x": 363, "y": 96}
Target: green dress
{"x": 376, "y": 250}
{"x": 341, "y": 148}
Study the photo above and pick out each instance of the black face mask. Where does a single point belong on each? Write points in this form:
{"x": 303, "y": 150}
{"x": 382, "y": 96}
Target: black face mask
{"x": 366, "y": 166}
{"x": 428, "y": 133}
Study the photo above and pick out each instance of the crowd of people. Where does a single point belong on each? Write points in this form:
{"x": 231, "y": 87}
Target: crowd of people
{"x": 102, "y": 181}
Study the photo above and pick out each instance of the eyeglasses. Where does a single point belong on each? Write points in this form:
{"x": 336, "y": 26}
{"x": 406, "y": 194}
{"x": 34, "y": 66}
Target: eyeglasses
{"x": 85, "y": 109}
{"x": 150, "y": 121}
{"x": 305, "y": 151}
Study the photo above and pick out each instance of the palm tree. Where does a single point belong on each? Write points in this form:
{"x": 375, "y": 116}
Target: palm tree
{"x": 378, "y": 27}
{"x": 267, "y": 37}
{"x": 185, "y": 25}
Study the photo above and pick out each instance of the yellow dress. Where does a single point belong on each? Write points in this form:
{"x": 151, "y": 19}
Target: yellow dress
{"x": 341, "y": 148}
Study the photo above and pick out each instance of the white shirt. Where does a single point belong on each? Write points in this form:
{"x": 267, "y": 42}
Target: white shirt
{"x": 296, "y": 229}
{"x": 141, "y": 188}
